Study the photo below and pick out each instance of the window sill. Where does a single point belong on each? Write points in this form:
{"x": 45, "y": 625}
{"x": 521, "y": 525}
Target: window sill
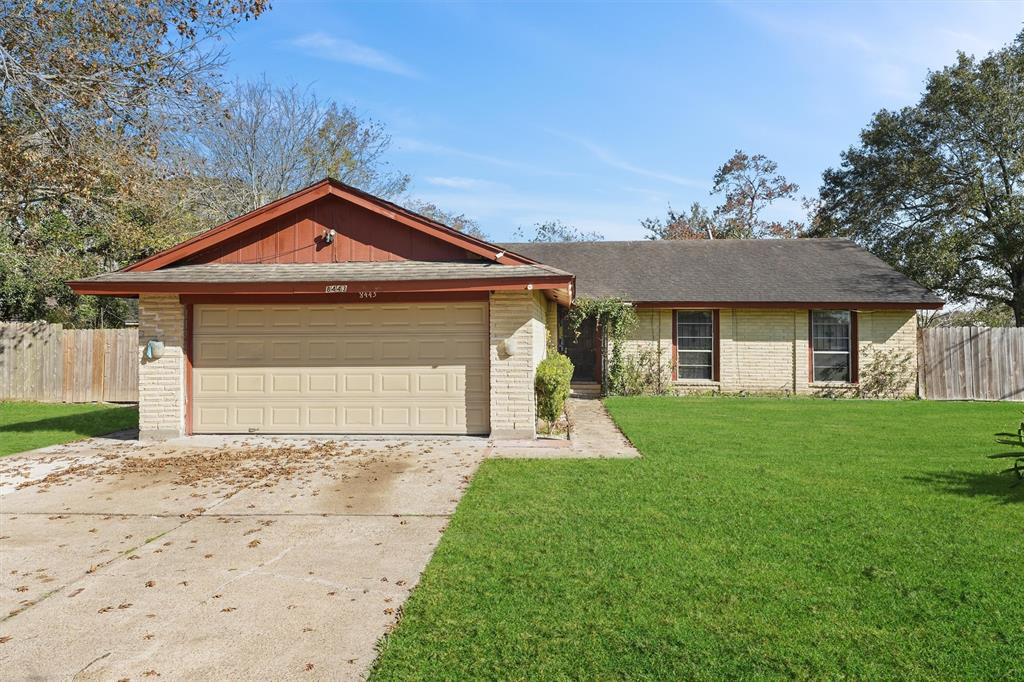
{"x": 696, "y": 382}
{"x": 832, "y": 384}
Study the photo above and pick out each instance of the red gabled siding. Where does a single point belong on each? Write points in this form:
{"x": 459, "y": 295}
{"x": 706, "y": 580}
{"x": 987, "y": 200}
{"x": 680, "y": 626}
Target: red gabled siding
{"x": 362, "y": 235}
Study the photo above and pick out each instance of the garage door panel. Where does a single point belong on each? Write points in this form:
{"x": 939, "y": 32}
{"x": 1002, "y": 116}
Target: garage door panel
{"x": 458, "y": 349}
{"x": 398, "y": 368}
{"x": 325, "y": 319}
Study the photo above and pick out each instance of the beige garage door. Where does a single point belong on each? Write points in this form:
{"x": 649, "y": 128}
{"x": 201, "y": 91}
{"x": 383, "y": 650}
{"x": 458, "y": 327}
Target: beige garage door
{"x": 388, "y": 368}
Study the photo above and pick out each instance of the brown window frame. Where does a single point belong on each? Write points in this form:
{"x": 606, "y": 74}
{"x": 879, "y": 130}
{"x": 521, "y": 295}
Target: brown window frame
{"x": 716, "y": 364}
{"x": 853, "y": 352}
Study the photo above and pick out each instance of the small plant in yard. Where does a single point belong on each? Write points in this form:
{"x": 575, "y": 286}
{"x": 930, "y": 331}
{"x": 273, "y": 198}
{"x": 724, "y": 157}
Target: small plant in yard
{"x": 886, "y": 375}
{"x": 642, "y": 373}
{"x": 1015, "y": 440}
{"x": 554, "y": 376}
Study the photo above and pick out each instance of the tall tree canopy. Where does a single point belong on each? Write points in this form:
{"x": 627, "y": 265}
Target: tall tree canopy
{"x": 259, "y": 142}
{"x": 937, "y": 189}
{"x": 89, "y": 87}
{"x": 748, "y": 185}
{"x": 89, "y": 92}
{"x": 556, "y": 231}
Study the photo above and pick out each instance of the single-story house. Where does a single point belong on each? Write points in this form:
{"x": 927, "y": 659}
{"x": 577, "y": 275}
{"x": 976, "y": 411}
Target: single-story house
{"x": 334, "y": 311}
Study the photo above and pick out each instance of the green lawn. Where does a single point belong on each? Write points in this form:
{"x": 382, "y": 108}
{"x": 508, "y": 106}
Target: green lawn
{"x": 26, "y": 426}
{"x": 758, "y": 538}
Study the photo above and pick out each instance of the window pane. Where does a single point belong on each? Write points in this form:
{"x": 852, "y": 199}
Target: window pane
{"x": 695, "y": 372}
{"x": 690, "y": 343}
{"x": 688, "y": 329}
{"x": 831, "y": 366}
{"x": 695, "y": 342}
{"x": 830, "y": 339}
{"x": 699, "y": 358}
{"x": 694, "y": 316}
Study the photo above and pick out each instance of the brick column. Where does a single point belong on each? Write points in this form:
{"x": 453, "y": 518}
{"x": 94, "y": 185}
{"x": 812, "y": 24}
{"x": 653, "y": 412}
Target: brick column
{"x": 161, "y": 381}
{"x": 516, "y": 317}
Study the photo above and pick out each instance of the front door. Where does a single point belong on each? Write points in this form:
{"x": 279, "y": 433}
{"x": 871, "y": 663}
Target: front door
{"x": 582, "y": 350}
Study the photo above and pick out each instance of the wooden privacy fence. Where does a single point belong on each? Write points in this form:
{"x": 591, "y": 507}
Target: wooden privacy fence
{"x": 971, "y": 363}
{"x": 45, "y": 362}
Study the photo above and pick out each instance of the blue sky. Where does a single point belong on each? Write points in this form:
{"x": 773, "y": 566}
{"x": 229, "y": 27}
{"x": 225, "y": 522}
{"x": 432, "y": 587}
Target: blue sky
{"x": 601, "y": 114}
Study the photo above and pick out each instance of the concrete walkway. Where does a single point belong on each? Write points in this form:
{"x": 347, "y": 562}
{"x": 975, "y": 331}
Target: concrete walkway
{"x": 594, "y": 435}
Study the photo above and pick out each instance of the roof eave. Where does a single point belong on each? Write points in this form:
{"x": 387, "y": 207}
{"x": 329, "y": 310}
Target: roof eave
{"x": 135, "y": 288}
{"x": 852, "y": 305}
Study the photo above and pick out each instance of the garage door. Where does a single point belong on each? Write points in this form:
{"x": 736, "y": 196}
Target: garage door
{"x": 388, "y": 368}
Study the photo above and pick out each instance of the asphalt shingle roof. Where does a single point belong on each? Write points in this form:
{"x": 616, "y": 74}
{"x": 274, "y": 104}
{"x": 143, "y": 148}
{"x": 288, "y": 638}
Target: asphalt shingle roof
{"x": 734, "y": 270}
{"x": 387, "y": 271}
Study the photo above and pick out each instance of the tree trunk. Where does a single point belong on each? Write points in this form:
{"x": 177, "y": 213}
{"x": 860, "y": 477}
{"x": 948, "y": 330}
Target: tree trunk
{"x": 1017, "y": 282}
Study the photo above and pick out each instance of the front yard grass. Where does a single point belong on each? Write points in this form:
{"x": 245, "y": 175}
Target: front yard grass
{"x": 26, "y": 426}
{"x": 766, "y": 538}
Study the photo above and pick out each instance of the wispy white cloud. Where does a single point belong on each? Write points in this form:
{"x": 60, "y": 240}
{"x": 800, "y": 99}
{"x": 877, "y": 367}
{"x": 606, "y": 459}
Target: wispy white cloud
{"x": 458, "y": 182}
{"x": 501, "y": 210}
{"x": 607, "y": 157}
{"x": 409, "y": 144}
{"x": 319, "y": 44}
{"x": 890, "y": 54}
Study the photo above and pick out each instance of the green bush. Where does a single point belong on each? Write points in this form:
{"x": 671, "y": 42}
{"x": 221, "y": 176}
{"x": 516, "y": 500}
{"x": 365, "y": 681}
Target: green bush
{"x": 641, "y": 373}
{"x": 554, "y": 374}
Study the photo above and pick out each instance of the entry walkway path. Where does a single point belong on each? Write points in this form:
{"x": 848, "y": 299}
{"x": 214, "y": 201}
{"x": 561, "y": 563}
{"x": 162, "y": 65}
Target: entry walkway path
{"x": 594, "y": 435}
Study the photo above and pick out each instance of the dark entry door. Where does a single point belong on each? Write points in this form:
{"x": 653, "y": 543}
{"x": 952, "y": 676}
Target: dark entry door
{"x": 582, "y": 350}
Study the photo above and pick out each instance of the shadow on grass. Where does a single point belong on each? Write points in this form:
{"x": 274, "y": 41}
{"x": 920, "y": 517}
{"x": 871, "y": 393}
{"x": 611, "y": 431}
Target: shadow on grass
{"x": 999, "y": 486}
{"x": 84, "y": 423}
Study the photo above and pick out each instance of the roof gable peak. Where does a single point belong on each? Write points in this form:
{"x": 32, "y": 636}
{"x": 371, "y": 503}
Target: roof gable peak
{"x": 246, "y": 238}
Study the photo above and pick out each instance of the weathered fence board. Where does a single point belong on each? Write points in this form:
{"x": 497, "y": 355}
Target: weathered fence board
{"x": 45, "y": 362}
{"x": 972, "y": 363}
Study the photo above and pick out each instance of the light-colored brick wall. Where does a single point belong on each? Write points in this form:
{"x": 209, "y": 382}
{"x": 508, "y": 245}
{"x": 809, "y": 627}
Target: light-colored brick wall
{"x": 162, "y": 381}
{"x": 518, "y": 316}
{"x": 891, "y": 330}
{"x": 552, "y": 325}
{"x": 758, "y": 350}
{"x": 765, "y": 350}
{"x": 653, "y": 331}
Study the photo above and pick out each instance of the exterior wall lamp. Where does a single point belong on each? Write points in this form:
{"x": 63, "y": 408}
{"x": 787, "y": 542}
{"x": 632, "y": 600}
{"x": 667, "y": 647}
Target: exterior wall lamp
{"x": 154, "y": 349}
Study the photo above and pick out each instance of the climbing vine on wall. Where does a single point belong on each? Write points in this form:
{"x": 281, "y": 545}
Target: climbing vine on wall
{"x": 614, "y": 319}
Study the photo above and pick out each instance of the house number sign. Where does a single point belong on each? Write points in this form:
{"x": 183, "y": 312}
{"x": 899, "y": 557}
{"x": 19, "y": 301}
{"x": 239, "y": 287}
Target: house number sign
{"x": 336, "y": 288}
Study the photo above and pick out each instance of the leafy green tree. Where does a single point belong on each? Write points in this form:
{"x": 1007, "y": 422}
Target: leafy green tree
{"x": 91, "y": 92}
{"x": 748, "y": 184}
{"x": 696, "y": 224}
{"x": 259, "y": 142}
{"x": 937, "y": 189}
{"x": 556, "y": 231}
{"x": 91, "y": 87}
{"x": 456, "y": 221}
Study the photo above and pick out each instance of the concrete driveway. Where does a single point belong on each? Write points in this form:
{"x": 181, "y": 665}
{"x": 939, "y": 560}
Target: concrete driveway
{"x": 212, "y": 560}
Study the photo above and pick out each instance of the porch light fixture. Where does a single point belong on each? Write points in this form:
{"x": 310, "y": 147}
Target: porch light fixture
{"x": 329, "y": 236}
{"x": 511, "y": 346}
{"x": 154, "y": 349}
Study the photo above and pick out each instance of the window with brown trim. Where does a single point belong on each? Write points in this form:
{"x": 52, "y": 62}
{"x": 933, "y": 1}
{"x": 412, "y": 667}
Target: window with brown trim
{"x": 830, "y": 345}
{"x": 695, "y": 344}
